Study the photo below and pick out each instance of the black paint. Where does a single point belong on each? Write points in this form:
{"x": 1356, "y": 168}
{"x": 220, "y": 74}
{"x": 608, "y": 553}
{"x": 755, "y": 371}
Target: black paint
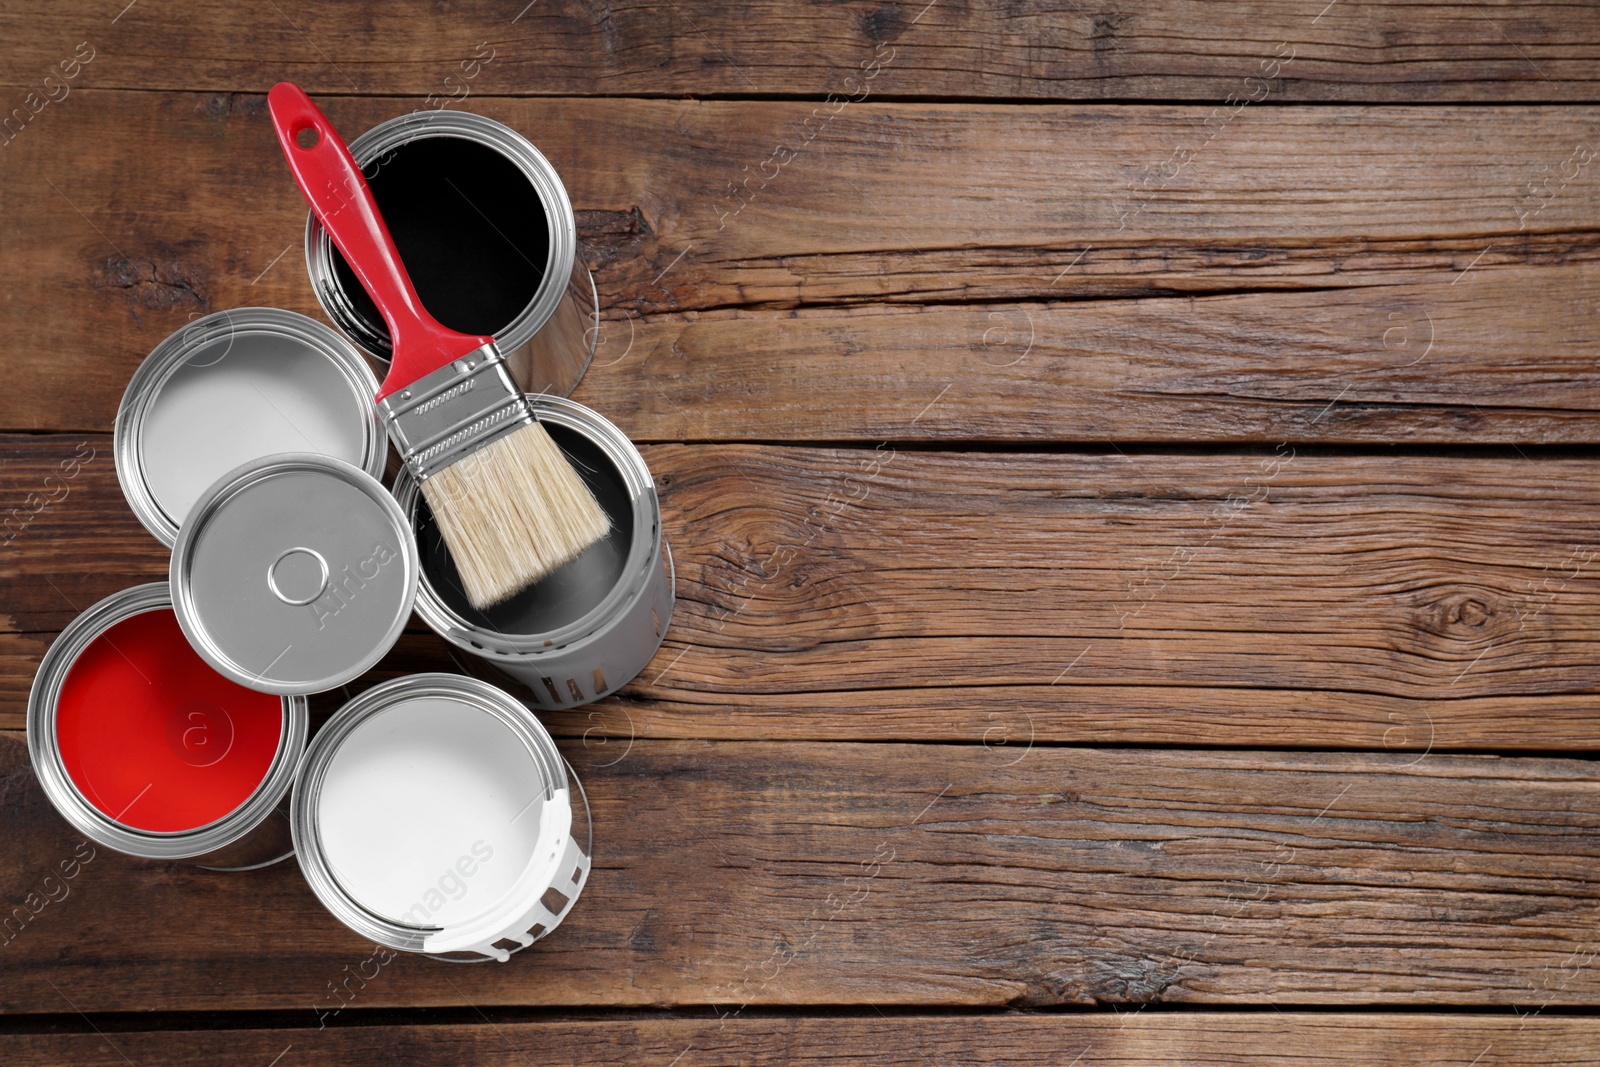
{"x": 568, "y": 593}
{"x": 470, "y": 228}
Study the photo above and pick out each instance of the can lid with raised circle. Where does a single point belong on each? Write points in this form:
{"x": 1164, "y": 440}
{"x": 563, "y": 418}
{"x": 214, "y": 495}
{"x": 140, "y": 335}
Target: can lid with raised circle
{"x": 294, "y": 573}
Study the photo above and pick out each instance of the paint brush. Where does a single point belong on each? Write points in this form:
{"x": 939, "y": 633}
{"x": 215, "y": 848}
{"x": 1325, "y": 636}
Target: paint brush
{"x": 509, "y": 504}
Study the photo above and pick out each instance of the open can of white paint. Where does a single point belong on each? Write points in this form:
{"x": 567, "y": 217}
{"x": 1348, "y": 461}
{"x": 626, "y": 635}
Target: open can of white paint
{"x": 232, "y": 387}
{"x": 489, "y": 240}
{"x": 433, "y": 814}
{"x": 588, "y": 628}
{"x": 145, "y": 749}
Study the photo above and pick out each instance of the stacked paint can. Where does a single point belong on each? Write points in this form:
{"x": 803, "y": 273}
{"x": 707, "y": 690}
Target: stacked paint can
{"x": 432, "y": 813}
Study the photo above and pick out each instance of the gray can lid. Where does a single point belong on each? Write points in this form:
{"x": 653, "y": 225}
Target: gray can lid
{"x": 231, "y": 387}
{"x": 294, "y": 573}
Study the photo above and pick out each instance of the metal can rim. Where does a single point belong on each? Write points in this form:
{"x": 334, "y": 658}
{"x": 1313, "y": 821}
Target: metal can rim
{"x": 636, "y": 570}
{"x": 479, "y": 695}
{"x": 88, "y": 820}
{"x": 178, "y": 576}
{"x": 560, "y": 219}
{"x": 172, "y": 354}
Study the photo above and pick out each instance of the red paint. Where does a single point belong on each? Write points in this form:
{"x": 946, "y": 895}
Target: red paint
{"x": 156, "y": 739}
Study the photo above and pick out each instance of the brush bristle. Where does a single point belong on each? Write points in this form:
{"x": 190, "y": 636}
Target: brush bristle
{"x": 512, "y": 512}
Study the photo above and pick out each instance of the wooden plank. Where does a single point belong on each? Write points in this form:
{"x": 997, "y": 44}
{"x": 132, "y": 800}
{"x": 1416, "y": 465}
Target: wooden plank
{"x": 1449, "y": 50}
{"x": 1393, "y": 603}
{"x": 939, "y": 875}
{"x": 1367, "y": 274}
{"x": 826, "y": 594}
{"x": 1440, "y": 587}
{"x": 1415, "y": 360}
{"x": 1217, "y": 1039}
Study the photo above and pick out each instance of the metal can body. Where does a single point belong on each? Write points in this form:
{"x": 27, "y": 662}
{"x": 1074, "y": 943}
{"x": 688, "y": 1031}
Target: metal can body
{"x": 546, "y": 330}
{"x": 232, "y": 387}
{"x": 590, "y": 627}
{"x": 241, "y": 837}
{"x": 433, "y": 814}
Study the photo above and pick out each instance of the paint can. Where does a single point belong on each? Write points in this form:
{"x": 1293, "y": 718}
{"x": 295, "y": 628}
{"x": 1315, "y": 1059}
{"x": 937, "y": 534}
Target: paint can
{"x": 232, "y": 387}
{"x": 145, "y": 749}
{"x": 588, "y": 628}
{"x": 433, "y": 814}
{"x": 489, "y": 239}
{"x": 294, "y": 573}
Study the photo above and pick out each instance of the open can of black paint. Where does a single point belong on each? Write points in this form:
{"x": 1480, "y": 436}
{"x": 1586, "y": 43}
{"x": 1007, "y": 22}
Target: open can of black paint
{"x": 589, "y": 627}
{"x": 489, "y": 239}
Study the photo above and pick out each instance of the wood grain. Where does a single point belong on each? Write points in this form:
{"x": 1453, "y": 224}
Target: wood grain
{"x": 1419, "y": 360}
{"x": 1365, "y": 602}
{"x": 789, "y": 874}
{"x": 984, "y": 711}
{"x": 1494, "y": 50}
{"x": 996, "y": 598}
{"x": 1127, "y": 1040}
{"x": 1331, "y": 273}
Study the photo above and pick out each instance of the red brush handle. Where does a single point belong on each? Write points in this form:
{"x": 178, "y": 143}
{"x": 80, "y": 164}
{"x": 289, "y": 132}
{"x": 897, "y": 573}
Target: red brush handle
{"x": 337, "y": 192}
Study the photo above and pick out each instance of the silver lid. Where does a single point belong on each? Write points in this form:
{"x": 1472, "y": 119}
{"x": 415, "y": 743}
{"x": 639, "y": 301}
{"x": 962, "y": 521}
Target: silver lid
{"x": 232, "y": 387}
{"x": 293, "y": 574}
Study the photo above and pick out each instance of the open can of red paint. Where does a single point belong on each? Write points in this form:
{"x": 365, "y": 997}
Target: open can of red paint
{"x": 588, "y": 628}
{"x": 433, "y": 814}
{"x": 145, "y": 749}
{"x": 488, "y": 237}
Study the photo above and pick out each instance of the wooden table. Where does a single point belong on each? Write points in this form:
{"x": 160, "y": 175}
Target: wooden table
{"x": 1131, "y": 477}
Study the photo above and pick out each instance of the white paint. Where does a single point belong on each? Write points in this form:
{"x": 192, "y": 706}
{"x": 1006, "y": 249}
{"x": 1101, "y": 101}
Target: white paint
{"x": 241, "y": 398}
{"x": 413, "y": 790}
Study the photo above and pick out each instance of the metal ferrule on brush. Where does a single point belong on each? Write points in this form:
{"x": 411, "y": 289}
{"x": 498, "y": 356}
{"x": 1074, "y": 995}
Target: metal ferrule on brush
{"x": 460, "y": 408}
